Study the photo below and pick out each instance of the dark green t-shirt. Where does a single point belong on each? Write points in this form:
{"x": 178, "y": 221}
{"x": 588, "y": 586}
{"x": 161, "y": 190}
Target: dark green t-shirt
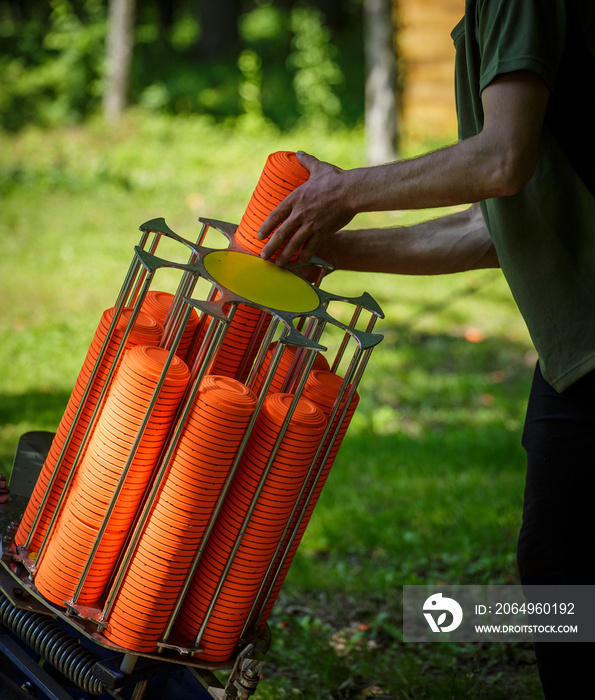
{"x": 545, "y": 235}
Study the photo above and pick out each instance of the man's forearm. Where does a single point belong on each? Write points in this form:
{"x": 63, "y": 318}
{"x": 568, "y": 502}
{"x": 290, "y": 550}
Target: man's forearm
{"x": 465, "y": 172}
{"x": 452, "y": 243}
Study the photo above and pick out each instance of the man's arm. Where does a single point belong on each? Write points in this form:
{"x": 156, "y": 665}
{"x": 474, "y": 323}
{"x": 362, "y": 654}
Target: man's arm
{"x": 452, "y": 243}
{"x": 499, "y": 161}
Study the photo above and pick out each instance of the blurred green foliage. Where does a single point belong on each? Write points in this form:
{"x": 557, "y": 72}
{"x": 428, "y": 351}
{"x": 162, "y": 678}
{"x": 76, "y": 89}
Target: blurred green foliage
{"x": 316, "y": 71}
{"x": 285, "y": 62}
{"x": 51, "y": 67}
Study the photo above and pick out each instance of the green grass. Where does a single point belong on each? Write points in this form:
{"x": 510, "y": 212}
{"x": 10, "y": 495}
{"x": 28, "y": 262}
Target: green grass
{"x": 428, "y": 484}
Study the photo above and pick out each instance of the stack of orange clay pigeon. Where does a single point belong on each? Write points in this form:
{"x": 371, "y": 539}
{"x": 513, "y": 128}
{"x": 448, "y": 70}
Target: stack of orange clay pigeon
{"x": 81, "y": 556}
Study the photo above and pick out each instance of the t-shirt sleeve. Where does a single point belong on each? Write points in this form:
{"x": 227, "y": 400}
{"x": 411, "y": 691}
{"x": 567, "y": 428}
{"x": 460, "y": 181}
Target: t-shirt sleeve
{"x": 520, "y": 35}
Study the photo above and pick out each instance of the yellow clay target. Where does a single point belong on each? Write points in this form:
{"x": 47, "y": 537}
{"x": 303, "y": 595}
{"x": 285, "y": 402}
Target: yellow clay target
{"x": 261, "y": 281}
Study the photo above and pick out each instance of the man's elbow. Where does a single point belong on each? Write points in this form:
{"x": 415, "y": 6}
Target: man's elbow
{"x": 511, "y": 173}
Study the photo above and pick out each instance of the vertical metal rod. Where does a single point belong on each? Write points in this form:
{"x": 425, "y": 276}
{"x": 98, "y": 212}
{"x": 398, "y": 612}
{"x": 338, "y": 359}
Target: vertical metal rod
{"x": 251, "y": 508}
{"x": 306, "y": 480}
{"x": 139, "y": 527}
{"x": 302, "y": 320}
{"x": 185, "y": 289}
{"x": 270, "y": 373}
{"x": 346, "y": 337}
{"x": 152, "y": 249}
{"x": 123, "y": 476}
{"x": 315, "y": 330}
{"x": 128, "y": 281}
{"x": 251, "y": 344}
{"x": 174, "y": 322}
{"x": 123, "y": 293}
{"x": 262, "y": 352}
{"x": 346, "y": 384}
{"x": 205, "y": 356}
{"x": 371, "y": 323}
{"x": 199, "y": 329}
{"x": 196, "y": 378}
{"x": 353, "y": 370}
{"x": 351, "y": 385}
{"x": 203, "y": 232}
{"x": 313, "y": 324}
{"x": 95, "y": 413}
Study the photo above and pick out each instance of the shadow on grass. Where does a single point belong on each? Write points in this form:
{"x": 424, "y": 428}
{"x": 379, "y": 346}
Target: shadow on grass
{"x": 360, "y": 654}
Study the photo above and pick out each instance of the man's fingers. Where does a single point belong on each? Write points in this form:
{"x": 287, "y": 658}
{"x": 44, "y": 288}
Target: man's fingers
{"x": 276, "y": 217}
{"x": 276, "y": 240}
{"x": 269, "y": 247}
{"x": 285, "y": 256}
{"x": 309, "y": 249}
{"x": 292, "y": 246}
{"x": 306, "y": 160}
{"x": 278, "y": 237}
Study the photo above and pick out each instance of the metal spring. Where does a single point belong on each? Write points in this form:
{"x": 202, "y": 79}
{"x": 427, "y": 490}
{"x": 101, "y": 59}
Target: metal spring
{"x": 57, "y": 647}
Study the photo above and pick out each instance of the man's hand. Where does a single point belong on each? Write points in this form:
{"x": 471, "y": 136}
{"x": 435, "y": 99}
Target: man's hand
{"x": 311, "y": 212}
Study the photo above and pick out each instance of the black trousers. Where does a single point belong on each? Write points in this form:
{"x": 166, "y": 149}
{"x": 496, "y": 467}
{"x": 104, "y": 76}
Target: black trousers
{"x": 557, "y": 539}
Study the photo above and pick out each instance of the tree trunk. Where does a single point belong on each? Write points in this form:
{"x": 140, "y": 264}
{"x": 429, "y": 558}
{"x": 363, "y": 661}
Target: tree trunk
{"x": 381, "y": 82}
{"x": 219, "y": 24}
{"x": 120, "y": 42}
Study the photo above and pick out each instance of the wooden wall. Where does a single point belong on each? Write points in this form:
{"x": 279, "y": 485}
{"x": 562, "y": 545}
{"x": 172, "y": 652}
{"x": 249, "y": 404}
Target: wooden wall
{"x": 427, "y": 65}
